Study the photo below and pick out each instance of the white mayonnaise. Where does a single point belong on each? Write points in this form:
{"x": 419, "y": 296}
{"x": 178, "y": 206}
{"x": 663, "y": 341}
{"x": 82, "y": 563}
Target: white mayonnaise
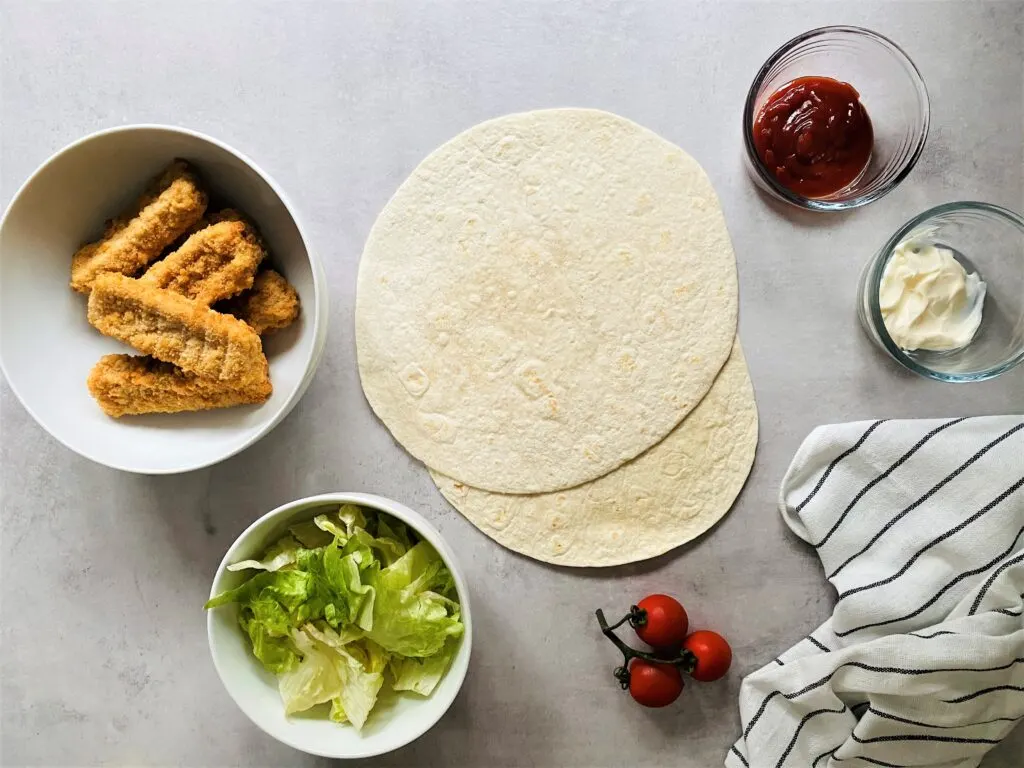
{"x": 928, "y": 300}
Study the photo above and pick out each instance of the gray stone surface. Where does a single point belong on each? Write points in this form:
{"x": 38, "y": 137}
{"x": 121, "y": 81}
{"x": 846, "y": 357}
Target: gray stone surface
{"x": 104, "y": 574}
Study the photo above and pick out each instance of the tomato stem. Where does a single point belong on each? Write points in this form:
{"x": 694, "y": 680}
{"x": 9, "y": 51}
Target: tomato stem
{"x": 637, "y": 617}
{"x": 622, "y": 675}
{"x": 686, "y": 661}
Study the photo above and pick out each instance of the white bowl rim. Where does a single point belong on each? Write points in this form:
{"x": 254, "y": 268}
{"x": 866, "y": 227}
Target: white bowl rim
{"x": 320, "y": 300}
{"x": 417, "y": 522}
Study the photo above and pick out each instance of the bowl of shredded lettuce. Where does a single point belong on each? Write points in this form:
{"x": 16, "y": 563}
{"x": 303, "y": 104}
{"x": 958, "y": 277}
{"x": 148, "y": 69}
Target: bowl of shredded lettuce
{"x": 340, "y": 624}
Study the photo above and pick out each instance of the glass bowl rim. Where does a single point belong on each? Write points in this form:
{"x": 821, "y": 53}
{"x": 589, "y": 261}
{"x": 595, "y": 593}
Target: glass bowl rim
{"x": 873, "y": 280}
{"x": 811, "y": 204}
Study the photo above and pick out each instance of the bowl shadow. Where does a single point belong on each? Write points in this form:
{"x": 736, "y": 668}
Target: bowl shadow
{"x": 798, "y": 217}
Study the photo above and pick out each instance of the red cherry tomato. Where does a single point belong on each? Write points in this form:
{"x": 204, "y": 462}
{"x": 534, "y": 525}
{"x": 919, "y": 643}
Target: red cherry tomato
{"x": 654, "y": 685}
{"x": 713, "y": 655}
{"x": 665, "y": 624}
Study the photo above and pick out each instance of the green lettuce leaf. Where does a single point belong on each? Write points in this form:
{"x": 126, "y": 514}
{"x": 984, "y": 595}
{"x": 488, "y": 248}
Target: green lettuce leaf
{"x": 352, "y": 517}
{"x": 421, "y": 675}
{"x": 337, "y": 638}
{"x": 310, "y": 536}
{"x": 350, "y": 523}
{"x": 409, "y": 618}
{"x": 313, "y": 680}
{"x": 334, "y": 638}
{"x": 266, "y": 600}
{"x": 394, "y": 531}
{"x": 342, "y": 591}
{"x": 275, "y": 558}
{"x": 360, "y": 686}
{"x": 276, "y": 653}
{"x": 349, "y": 676}
{"x": 337, "y": 529}
{"x": 290, "y": 588}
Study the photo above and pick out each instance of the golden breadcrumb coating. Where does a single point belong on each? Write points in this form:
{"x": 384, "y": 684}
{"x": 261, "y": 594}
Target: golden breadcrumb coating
{"x": 231, "y": 214}
{"x": 224, "y": 214}
{"x": 173, "y": 204}
{"x": 130, "y": 385}
{"x": 271, "y": 303}
{"x": 177, "y": 330}
{"x": 213, "y": 264}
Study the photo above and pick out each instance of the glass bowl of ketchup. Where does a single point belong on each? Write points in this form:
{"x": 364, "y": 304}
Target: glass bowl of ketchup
{"x": 836, "y": 118}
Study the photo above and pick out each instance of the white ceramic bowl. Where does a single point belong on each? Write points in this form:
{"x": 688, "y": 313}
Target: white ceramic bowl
{"x": 255, "y": 690}
{"x": 47, "y": 346}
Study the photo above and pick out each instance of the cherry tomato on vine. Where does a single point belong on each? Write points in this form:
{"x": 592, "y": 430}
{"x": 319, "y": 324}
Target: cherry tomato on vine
{"x": 654, "y": 685}
{"x": 713, "y": 655}
{"x": 664, "y": 624}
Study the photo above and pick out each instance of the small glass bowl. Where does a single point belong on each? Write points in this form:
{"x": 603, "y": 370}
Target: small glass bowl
{"x": 890, "y": 88}
{"x": 986, "y": 239}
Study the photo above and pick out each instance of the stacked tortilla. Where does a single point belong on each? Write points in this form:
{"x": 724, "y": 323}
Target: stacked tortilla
{"x": 546, "y": 317}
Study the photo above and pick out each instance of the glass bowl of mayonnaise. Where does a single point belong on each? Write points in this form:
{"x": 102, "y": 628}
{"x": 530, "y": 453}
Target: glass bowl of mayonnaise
{"x": 945, "y": 295}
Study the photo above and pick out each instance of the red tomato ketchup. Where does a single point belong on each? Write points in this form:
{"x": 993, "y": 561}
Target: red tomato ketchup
{"x": 814, "y": 136}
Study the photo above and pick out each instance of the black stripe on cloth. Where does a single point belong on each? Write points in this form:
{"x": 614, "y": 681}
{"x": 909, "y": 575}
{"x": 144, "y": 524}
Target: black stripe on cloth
{"x": 937, "y": 540}
{"x": 779, "y": 662}
{"x": 898, "y": 719}
{"x": 948, "y": 586}
{"x": 819, "y": 644}
{"x": 922, "y": 737}
{"x": 867, "y": 668}
{"x": 928, "y": 494}
{"x": 866, "y": 760}
{"x": 824, "y": 754}
{"x": 982, "y": 692}
{"x": 796, "y": 734}
{"x": 836, "y": 460}
{"x": 895, "y": 465}
{"x": 940, "y": 633}
{"x": 739, "y": 755}
{"x": 991, "y": 579}
{"x": 1008, "y": 612}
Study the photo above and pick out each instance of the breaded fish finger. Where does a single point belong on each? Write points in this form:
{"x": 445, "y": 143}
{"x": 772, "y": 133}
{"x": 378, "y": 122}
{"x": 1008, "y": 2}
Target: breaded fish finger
{"x": 173, "y": 204}
{"x": 269, "y": 305}
{"x": 131, "y": 385}
{"x": 213, "y": 264}
{"x": 231, "y": 214}
{"x": 177, "y": 330}
{"x": 224, "y": 214}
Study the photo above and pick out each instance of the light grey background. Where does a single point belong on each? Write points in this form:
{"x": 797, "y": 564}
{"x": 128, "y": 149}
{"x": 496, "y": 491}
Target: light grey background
{"x": 104, "y": 657}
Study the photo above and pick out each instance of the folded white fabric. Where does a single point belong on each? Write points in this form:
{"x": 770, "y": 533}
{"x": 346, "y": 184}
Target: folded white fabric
{"x": 920, "y": 528}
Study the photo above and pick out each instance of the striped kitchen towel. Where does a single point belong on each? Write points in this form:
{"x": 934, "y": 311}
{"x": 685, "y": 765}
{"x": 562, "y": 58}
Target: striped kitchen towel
{"x": 920, "y": 528}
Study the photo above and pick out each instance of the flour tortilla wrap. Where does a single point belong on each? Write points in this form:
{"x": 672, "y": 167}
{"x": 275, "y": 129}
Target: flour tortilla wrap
{"x": 663, "y": 498}
{"x": 544, "y": 298}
